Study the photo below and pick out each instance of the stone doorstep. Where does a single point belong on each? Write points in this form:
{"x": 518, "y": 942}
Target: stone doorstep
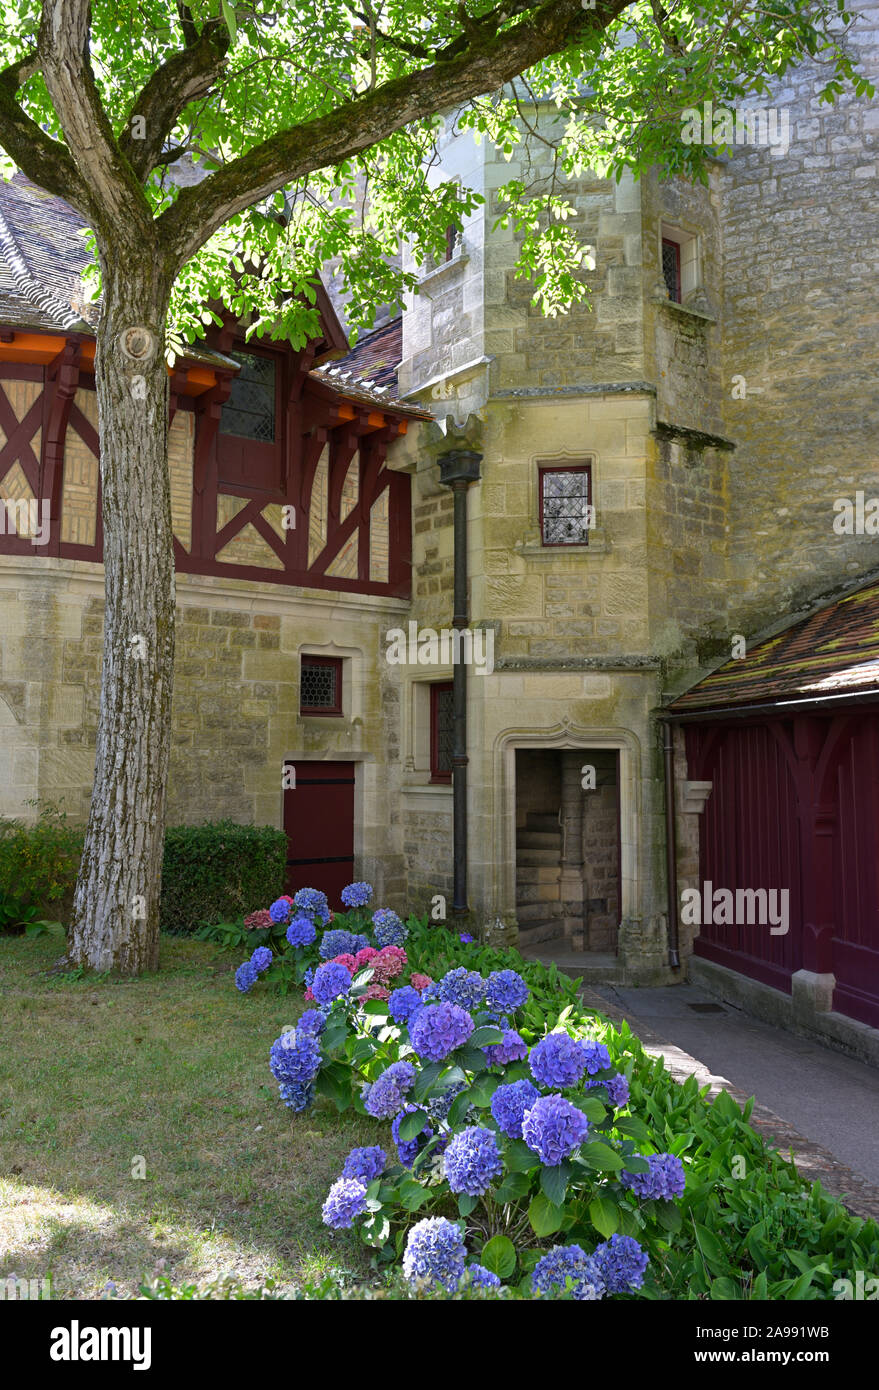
{"x": 813, "y": 1161}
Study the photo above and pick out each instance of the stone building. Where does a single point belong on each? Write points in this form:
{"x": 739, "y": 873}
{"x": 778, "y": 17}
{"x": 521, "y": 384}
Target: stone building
{"x": 658, "y": 472}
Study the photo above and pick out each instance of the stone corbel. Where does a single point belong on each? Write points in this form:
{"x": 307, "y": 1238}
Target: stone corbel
{"x": 692, "y": 797}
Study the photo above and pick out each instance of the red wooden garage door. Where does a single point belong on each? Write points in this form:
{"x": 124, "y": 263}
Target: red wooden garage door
{"x": 319, "y": 824}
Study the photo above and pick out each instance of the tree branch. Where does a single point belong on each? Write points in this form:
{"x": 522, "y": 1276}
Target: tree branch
{"x": 489, "y": 60}
{"x": 43, "y": 159}
{"x": 182, "y": 78}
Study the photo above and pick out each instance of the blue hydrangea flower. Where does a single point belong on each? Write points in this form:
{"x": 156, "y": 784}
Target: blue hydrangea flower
{"x": 512, "y": 1049}
{"x": 439, "y": 1106}
{"x": 510, "y": 1103}
{"x": 309, "y": 976}
{"x": 313, "y": 900}
{"x": 337, "y": 942}
{"x": 389, "y": 930}
{"x": 482, "y": 1278}
{"x": 438, "y": 1029}
{"x": 365, "y": 1164}
{"x": 466, "y": 940}
{"x": 345, "y": 1200}
{"x": 558, "y": 1060}
{"x": 622, "y": 1263}
{"x": 403, "y": 1003}
{"x": 280, "y": 910}
{"x": 387, "y": 1094}
{"x": 617, "y": 1088}
{"x": 331, "y": 981}
{"x": 409, "y": 1149}
{"x": 564, "y": 1262}
{"x": 357, "y": 894}
{"x": 360, "y": 941}
{"x": 295, "y": 1061}
{"x": 597, "y": 1056}
{"x": 554, "y": 1129}
{"x": 301, "y": 931}
{"x": 261, "y": 959}
{"x": 246, "y": 976}
{"x": 665, "y": 1180}
{"x": 505, "y": 991}
{"x": 311, "y": 1022}
{"x": 465, "y": 988}
{"x": 472, "y": 1161}
{"x": 435, "y": 1252}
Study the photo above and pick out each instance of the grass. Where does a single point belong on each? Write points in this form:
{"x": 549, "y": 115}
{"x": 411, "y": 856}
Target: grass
{"x": 96, "y": 1074}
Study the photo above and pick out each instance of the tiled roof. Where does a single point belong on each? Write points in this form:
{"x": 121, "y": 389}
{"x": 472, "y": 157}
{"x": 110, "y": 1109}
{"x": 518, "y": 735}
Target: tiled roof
{"x": 834, "y": 652}
{"x": 369, "y": 372}
{"x": 42, "y": 253}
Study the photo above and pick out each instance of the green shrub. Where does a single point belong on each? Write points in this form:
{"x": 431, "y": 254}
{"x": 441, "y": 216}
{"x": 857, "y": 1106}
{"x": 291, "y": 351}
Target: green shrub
{"x": 38, "y": 865}
{"x": 216, "y": 871}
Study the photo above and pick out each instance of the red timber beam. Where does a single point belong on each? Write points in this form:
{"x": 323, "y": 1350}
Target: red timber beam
{"x": 62, "y": 380}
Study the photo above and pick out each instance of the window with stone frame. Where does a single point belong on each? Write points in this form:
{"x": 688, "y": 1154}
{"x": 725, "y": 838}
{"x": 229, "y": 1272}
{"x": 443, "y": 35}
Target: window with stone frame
{"x": 320, "y": 686}
{"x": 442, "y": 731}
{"x": 671, "y": 269}
{"x": 566, "y": 509}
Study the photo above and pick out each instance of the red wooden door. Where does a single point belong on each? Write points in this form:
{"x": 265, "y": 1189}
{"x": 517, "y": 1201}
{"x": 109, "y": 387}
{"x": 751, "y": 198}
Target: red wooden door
{"x": 853, "y": 774}
{"x": 319, "y": 824}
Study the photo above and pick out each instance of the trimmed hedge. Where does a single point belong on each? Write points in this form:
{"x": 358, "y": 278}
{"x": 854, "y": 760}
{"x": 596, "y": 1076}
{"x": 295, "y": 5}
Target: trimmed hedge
{"x": 211, "y": 873}
{"x": 216, "y": 871}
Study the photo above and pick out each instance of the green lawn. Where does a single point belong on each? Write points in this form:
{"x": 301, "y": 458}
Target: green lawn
{"x": 173, "y": 1068}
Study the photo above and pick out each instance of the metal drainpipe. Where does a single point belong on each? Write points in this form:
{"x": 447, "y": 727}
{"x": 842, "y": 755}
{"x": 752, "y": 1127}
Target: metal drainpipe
{"x": 671, "y": 844}
{"x": 458, "y": 469}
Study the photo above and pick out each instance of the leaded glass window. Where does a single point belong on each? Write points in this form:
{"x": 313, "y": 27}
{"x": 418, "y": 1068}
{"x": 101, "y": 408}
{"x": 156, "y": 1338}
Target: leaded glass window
{"x": 320, "y": 685}
{"x": 671, "y": 269}
{"x": 442, "y": 731}
{"x": 249, "y": 412}
{"x": 566, "y": 512}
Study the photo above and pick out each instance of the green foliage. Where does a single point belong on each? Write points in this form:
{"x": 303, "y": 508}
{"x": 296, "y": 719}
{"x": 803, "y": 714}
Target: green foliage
{"x": 38, "y": 865}
{"x": 215, "y": 871}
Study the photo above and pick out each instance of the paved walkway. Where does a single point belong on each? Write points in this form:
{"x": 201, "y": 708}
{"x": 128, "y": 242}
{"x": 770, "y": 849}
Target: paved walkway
{"x": 821, "y": 1104}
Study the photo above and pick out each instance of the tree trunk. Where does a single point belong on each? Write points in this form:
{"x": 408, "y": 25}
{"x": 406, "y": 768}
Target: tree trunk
{"x": 115, "y": 922}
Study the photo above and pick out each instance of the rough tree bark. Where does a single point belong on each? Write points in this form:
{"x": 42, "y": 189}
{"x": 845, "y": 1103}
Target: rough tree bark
{"x": 116, "y": 906}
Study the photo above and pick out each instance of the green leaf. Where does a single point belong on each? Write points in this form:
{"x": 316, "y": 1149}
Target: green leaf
{"x": 466, "y": 1203}
{"x": 601, "y": 1157}
{"x": 485, "y": 1037}
{"x": 593, "y": 1108}
{"x": 545, "y": 1217}
{"x": 518, "y": 1158}
{"x": 426, "y": 1079}
{"x": 376, "y": 1007}
{"x": 633, "y": 1128}
{"x": 459, "y": 1108}
{"x": 483, "y": 1089}
{"x": 724, "y": 1288}
{"x": 514, "y": 1186}
{"x": 412, "y": 1124}
{"x": 604, "y": 1215}
{"x": 554, "y": 1182}
{"x": 470, "y": 1058}
{"x": 413, "y": 1195}
{"x": 669, "y": 1216}
{"x": 499, "y": 1255}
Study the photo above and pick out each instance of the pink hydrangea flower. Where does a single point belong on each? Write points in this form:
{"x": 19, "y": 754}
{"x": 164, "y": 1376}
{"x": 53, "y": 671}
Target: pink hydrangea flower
{"x": 377, "y": 992}
{"x": 364, "y": 956}
{"x": 389, "y": 963}
{"x": 308, "y": 996}
{"x": 262, "y": 918}
{"x": 420, "y": 982}
{"x": 348, "y": 961}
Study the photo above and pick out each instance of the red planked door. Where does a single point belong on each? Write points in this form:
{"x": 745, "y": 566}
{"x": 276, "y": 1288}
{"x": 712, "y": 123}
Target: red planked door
{"x": 319, "y": 825}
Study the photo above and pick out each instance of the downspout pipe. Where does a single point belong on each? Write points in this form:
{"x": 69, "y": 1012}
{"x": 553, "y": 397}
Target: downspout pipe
{"x": 458, "y": 469}
{"x": 671, "y": 844}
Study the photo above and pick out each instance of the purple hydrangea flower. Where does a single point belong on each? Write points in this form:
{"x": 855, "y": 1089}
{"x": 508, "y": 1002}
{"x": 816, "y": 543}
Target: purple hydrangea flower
{"x": 409, "y": 1149}
{"x": 554, "y": 1128}
{"x": 337, "y": 942}
{"x": 435, "y": 1252}
{"x": 365, "y": 1164}
{"x": 403, "y": 1003}
{"x": 246, "y": 976}
{"x": 345, "y": 1200}
{"x": 622, "y": 1263}
{"x": 438, "y": 1029}
{"x": 510, "y": 1103}
{"x": 466, "y": 940}
{"x": 564, "y": 1262}
{"x": 311, "y": 1022}
{"x": 597, "y": 1056}
{"x": 617, "y": 1088}
{"x": 331, "y": 981}
{"x": 301, "y": 931}
{"x": 295, "y": 1061}
{"x": 482, "y": 1278}
{"x": 472, "y": 1161}
{"x": 356, "y": 894}
{"x": 387, "y": 1094}
{"x": 512, "y": 1049}
{"x": 558, "y": 1060}
{"x": 505, "y": 991}
{"x": 280, "y": 910}
{"x": 313, "y": 900}
{"x": 665, "y": 1180}
{"x": 463, "y": 987}
{"x": 389, "y": 930}
{"x": 261, "y": 959}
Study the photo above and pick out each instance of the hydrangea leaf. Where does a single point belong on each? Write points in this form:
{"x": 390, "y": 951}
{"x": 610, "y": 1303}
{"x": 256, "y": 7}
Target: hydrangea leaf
{"x": 604, "y": 1215}
{"x": 545, "y": 1216}
{"x": 488, "y": 1036}
{"x": 601, "y": 1156}
{"x": 426, "y": 1080}
{"x": 470, "y": 1058}
{"x": 466, "y": 1203}
{"x": 554, "y": 1182}
{"x": 413, "y": 1195}
{"x": 499, "y": 1255}
{"x": 412, "y": 1124}
{"x": 518, "y": 1158}
{"x": 634, "y": 1128}
{"x": 593, "y": 1108}
{"x": 514, "y": 1186}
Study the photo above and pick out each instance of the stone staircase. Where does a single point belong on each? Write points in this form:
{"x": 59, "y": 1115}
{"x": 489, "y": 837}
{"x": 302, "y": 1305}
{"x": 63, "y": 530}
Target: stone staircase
{"x": 538, "y": 857}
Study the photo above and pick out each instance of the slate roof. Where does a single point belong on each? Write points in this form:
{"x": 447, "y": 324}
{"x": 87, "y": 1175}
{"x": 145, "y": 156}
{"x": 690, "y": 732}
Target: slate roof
{"x": 369, "y": 371}
{"x": 834, "y": 652}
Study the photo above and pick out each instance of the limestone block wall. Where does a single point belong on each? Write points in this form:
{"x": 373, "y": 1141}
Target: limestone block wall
{"x": 801, "y": 250}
